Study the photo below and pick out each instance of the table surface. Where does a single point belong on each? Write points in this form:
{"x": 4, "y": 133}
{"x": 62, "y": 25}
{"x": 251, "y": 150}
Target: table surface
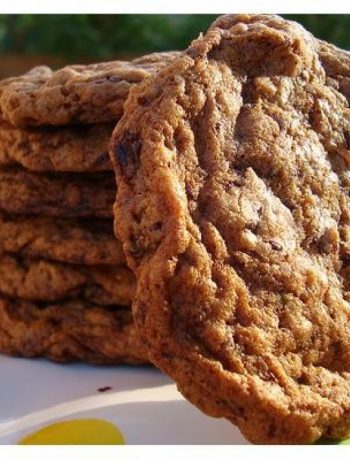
{"x": 142, "y": 402}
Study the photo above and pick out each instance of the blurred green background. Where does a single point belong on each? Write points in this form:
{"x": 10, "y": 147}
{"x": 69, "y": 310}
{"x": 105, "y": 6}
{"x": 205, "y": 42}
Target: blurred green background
{"x": 26, "y": 40}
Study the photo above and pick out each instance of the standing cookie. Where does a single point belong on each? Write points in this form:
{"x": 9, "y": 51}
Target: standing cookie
{"x": 236, "y": 222}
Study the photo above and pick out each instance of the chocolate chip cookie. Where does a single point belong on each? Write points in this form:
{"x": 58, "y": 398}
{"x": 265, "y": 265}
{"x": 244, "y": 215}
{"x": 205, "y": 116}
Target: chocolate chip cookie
{"x": 336, "y": 63}
{"x": 69, "y": 331}
{"x": 233, "y": 207}
{"x": 92, "y": 93}
{"x": 79, "y": 241}
{"x": 80, "y": 148}
{"x": 63, "y": 195}
{"x": 43, "y": 280}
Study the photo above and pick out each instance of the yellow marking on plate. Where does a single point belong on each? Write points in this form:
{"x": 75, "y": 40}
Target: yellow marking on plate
{"x": 76, "y": 432}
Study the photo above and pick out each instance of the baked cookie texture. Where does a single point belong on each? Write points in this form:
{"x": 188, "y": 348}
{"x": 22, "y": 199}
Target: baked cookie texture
{"x": 69, "y": 331}
{"x": 76, "y": 241}
{"x": 336, "y": 63}
{"x": 233, "y": 209}
{"x": 92, "y": 93}
{"x": 79, "y": 148}
{"x": 46, "y": 281}
{"x": 64, "y": 286}
{"x": 64, "y": 195}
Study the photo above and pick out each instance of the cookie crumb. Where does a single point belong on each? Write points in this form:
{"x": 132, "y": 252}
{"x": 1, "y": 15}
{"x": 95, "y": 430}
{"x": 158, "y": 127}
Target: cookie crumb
{"x": 103, "y": 389}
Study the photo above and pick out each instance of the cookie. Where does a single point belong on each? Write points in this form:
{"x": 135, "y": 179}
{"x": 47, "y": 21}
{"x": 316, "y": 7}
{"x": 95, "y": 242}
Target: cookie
{"x": 336, "y": 63}
{"x": 80, "y": 148}
{"x": 79, "y": 241}
{"x": 42, "y": 280}
{"x": 92, "y": 93}
{"x": 63, "y": 195}
{"x": 69, "y": 331}
{"x": 236, "y": 220}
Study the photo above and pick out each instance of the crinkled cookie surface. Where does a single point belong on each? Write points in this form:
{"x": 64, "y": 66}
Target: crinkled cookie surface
{"x": 41, "y": 280}
{"x": 93, "y": 93}
{"x": 57, "y": 195}
{"x": 233, "y": 208}
{"x": 77, "y": 148}
{"x": 78, "y": 241}
{"x": 69, "y": 331}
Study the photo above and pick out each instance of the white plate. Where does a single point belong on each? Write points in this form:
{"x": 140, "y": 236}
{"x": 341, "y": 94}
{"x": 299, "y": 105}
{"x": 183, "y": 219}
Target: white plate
{"x": 143, "y": 403}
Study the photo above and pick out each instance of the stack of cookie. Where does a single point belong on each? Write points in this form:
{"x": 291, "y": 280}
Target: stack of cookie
{"x": 65, "y": 291}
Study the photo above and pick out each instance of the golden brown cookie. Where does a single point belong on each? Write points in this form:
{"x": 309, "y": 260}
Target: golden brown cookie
{"x": 235, "y": 218}
{"x": 92, "y": 93}
{"x": 42, "y": 280}
{"x": 69, "y": 331}
{"x": 336, "y": 63}
{"x": 79, "y": 148}
{"x": 79, "y": 241}
{"x": 59, "y": 195}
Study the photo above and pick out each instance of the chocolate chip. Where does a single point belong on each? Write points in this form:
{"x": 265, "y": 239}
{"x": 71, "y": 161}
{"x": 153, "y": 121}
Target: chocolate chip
{"x": 113, "y": 78}
{"x": 136, "y": 249}
{"x": 272, "y": 430}
{"x": 102, "y": 158}
{"x": 144, "y": 101}
{"x": 276, "y": 246}
{"x": 347, "y": 138}
{"x": 127, "y": 154}
{"x": 252, "y": 226}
